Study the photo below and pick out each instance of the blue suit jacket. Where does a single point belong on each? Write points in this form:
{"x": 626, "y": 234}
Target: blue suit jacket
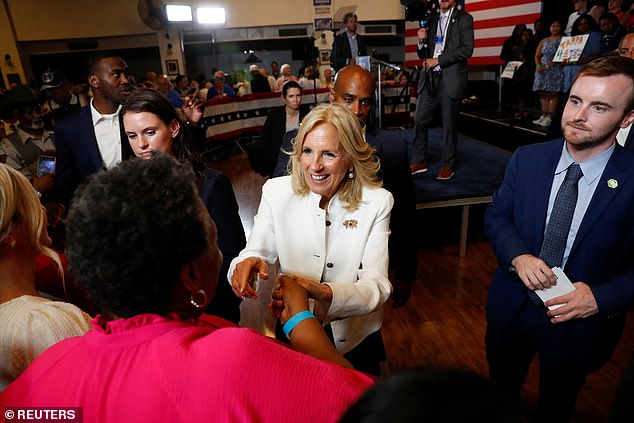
{"x": 603, "y": 251}
{"x": 216, "y": 192}
{"x": 78, "y": 154}
{"x": 629, "y": 142}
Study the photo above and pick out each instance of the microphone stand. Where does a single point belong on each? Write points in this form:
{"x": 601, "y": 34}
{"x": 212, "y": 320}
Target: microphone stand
{"x": 312, "y": 63}
{"x": 380, "y": 63}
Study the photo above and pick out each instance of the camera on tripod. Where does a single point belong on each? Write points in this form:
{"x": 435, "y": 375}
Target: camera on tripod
{"x": 418, "y": 10}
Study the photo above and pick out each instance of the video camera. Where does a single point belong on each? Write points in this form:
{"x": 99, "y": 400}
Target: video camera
{"x": 418, "y": 10}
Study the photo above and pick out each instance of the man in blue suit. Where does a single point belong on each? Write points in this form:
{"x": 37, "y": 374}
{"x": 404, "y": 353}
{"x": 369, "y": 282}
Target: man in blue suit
{"x": 93, "y": 138}
{"x": 580, "y": 336}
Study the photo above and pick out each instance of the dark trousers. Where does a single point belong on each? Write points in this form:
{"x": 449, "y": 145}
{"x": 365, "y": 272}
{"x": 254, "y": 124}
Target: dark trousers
{"x": 428, "y": 101}
{"x": 368, "y": 355}
{"x": 568, "y": 352}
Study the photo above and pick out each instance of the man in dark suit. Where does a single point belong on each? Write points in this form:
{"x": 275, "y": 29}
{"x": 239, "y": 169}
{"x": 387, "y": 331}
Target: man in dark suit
{"x": 93, "y": 138}
{"x": 444, "y": 48}
{"x": 596, "y": 247}
{"x": 348, "y": 44}
{"x": 354, "y": 88}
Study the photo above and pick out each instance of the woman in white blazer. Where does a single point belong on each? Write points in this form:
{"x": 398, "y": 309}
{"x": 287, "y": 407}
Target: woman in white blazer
{"x": 327, "y": 225}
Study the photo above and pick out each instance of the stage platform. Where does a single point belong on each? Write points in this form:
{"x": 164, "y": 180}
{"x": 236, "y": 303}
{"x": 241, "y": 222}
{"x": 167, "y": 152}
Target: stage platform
{"x": 494, "y": 124}
{"x": 479, "y": 172}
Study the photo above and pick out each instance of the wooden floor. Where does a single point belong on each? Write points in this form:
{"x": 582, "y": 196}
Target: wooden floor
{"x": 443, "y": 324}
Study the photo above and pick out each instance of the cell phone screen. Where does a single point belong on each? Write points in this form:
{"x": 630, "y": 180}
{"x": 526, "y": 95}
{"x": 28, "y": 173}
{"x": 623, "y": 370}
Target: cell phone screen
{"x": 45, "y": 165}
{"x": 422, "y": 23}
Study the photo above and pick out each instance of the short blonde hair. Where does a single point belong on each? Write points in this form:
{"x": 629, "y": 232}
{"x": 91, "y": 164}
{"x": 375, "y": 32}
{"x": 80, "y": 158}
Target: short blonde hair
{"x": 18, "y": 202}
{"x": 365, "y": 164}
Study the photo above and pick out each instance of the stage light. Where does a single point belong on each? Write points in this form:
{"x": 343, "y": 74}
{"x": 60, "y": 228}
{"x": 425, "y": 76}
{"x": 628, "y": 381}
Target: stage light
{"x": 178, "y": 13}
{"x": 211, "y": 15}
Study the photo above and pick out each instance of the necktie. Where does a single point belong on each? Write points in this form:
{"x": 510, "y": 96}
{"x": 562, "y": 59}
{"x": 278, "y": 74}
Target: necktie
{"x": 556, "y": 235}
{"x": 558, "y": 226}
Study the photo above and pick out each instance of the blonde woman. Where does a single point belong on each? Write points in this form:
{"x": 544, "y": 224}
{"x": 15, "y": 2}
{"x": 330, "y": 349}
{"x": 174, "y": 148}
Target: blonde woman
{"x": 30, "y": 322}
{"x": 327, "y": 224}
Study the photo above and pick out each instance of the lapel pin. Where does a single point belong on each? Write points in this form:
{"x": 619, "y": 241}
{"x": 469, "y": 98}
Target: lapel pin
{"x": 612, "y": 183}
{"x": 349, "y": 224}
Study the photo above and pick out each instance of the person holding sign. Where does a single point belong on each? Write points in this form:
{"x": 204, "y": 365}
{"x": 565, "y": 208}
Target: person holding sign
{"x": 585, "y": 25}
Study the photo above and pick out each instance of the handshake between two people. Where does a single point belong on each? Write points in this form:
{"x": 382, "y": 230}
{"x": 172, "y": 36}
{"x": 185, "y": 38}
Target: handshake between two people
{"x": 290, "y": 294}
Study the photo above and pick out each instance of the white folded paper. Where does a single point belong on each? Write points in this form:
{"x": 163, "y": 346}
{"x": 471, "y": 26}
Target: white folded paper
{"x": 563, "y": 286}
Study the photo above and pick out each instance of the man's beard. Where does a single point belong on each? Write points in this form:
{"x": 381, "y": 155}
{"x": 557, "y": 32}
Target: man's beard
{"x": 591, "y": 138}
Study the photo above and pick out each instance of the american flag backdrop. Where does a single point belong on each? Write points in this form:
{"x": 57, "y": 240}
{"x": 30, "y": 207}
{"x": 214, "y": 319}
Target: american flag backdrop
{"x": 493, "y": 22}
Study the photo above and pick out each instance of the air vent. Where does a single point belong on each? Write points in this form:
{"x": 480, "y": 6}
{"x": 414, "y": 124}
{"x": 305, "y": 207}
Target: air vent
{"x": 83, "y": 45}
{"x": 379, "y": 29}
{"x": 293, "y": 32}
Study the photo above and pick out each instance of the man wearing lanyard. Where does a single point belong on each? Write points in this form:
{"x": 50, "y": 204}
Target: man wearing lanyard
{"x": 444, "y": 49}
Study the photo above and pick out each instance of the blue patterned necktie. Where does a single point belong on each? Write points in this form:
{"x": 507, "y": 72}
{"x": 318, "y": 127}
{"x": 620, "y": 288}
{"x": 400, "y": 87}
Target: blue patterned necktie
{"x": 558, "y": 228}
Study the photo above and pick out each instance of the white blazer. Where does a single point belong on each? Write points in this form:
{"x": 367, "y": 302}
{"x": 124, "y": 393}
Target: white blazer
{"x": 346, "y": 250}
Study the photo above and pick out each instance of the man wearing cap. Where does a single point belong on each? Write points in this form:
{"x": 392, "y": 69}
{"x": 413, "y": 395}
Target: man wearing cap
{"x": 93, "y": 138}
{"x": 259, "y": 84}
{"x": 60, "y": 99}
{"x": 30, "y": 140}
{"x": 220, "y": 89}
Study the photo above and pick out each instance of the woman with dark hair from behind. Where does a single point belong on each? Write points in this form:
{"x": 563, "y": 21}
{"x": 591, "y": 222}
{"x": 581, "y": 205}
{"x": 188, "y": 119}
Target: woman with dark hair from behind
{"x": 153, "y": 126}
{"x": 30, "y": 322}
{"x": 152, "y": 355}
{"x": 427, "y": 395}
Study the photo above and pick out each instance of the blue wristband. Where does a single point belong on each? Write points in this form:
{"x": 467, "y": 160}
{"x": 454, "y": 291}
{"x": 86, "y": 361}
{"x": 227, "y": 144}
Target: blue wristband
{"x": 295, "y": 320}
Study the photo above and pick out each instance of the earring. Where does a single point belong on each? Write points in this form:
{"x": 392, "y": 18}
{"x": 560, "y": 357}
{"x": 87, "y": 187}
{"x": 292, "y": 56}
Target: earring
{"x": 12, "y": 245}
{"x": 200, "y": 304}
{"x": 350, "y": 175}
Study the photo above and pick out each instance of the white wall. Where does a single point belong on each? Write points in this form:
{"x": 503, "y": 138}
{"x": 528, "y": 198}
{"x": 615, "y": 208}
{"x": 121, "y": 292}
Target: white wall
{"x": 48, "y": 20}
{"x": 67, "y": 19}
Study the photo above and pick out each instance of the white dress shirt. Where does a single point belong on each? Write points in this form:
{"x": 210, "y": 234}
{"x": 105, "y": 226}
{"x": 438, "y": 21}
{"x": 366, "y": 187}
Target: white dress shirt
{"x": 622, "y": 135}
{"x": 108, "y": 134}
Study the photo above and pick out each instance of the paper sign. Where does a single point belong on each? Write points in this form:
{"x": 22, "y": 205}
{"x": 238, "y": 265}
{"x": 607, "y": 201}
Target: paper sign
{"x": 570, "y": 48}
{"x": 363, "y": 61}
{"x": 510, "y": 68}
